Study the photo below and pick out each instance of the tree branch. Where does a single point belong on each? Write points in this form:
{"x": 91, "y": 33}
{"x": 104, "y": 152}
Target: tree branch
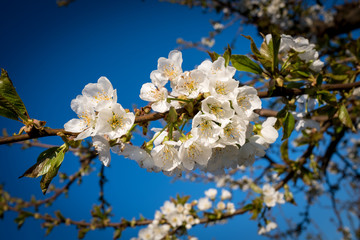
{"x": 155, "y": 116}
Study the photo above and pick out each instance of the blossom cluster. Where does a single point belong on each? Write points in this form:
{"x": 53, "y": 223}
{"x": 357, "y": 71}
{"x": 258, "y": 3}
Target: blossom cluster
{"x": 176, "y": 214}
{"x": 271, "y": 196}
{"x": 172, "y": 216}
{"x": 277, "y": 12}
{"x": 100, "y": 116}
{"x": 225, "y": 131}
{"x": 220, "y": 130}
{"x": 305, "y": 51}
{"x": 206, "y": 202}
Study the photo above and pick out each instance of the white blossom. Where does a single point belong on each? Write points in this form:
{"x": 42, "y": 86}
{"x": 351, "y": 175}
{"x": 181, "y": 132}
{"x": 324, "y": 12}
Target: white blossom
{"x": 85, "y": 124}
{"x": 271, "y": 196}
{"x": 268, "y": 132}
{"x": 223, "y": 88}
{"x": 221, "y": 205}
{"x": 218, "y": 26}
{"x": 233, "y": 131}
{"x": 219, "y": 108}
{"x": 204, "y": 204}
{"x": 137, "y": 154}
{"x": 204, "y": 127}
{"x": 170, "y": 67}
{"x": 190, "y": 84}
{"x": 246, "y": 101}
{"x": 269, "y": 226}
{"x": 230, "y": 207}
{"x": 217, "y": 70}
{"x": 211, "y": 193}
{"x": 168, "y": 208}
{"x": 101, "y": 94}
{"x": 102, "y": 146}
{"x": 255, "y": 147}
{"x": 156, "y": 95}
{"x": 225, "y": 194}
{"x": 192, "y": 151}
{"x": 114, "y": 121}
{"x": 165, "y": 156}
{"x": 208, "y": 42}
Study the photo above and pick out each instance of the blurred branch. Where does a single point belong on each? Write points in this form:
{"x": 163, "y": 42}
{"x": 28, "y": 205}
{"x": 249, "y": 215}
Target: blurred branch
{"x": 64, "y": 3}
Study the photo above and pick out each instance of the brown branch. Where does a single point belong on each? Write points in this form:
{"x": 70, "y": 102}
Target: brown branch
{"x": 346, "y": 19}
{"x": 331, "y": 150}
{"x": 279, "y": 92}
{"x": 301, "y": 162}
{"x": 155, "y": 116}
{"x": 44, "y": 133}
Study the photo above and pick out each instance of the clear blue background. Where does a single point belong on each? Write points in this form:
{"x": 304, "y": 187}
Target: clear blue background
{"x": 51, "y": 53}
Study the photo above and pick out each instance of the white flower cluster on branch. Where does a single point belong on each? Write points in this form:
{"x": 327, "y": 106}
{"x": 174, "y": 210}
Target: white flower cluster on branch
{"x": 225, "y": 132}
{"x": 302, "y": 48}
{"x": 100, "y": 117}
{"x": 178, "y": 213}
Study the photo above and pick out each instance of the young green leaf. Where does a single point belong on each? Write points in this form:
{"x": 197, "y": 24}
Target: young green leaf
{"x": 288, "y": 125}
{"x": 47, "y": 165}
{"x": 44, "y": 162}
{"x": 253, "y": 47}
{"x": 213, "y": 55}
{"x": 11, "y": 105}
{"x": 243, "y": 63}
{"x": 227, "y": 56}
{"x": 345, "y": 118}
{"x": 275, "y": 48}
{"x": 54, "y": 168}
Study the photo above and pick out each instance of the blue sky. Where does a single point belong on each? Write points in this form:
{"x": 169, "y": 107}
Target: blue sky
{"x": 51, "y": 53}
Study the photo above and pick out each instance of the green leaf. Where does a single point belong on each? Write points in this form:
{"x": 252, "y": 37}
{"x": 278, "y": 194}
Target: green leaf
{"x": 255, "y": 188}
{"x": 248, "y": 207}
{"x": 11, "y": 105}
{"x": 345, "y": 118}
{"x": 47, "y": 178}
{"x": 340, "y": 78}
{"x": 227, "y": 56}
{"x": 43, "y": 163}
{"x": 213, "y": 55}
{"x": 275, "y": 41}
{"x": 47, "y": 165}
{"x": 288, "y": 125}
{"x": 243, "y": 63}
{"x": 253, "y": 47}
{"x": 117, "y": 233}
{"x": 82, "y": 232}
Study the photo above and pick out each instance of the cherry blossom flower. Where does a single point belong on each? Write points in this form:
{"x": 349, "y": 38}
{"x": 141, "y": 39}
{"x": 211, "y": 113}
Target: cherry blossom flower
{"x": 204, "y": 127}
{"x": 85, "y": 124}
{"x": 190, "y": 84}
{"x": 219, "y": 108}
{"x": 166, "y": 155}
{"x": 246, "y": 101}
{"x": 156, "y": 95}
{"x": 225, "y": 194}
{"x": 170, "y": 67}
{"x": 233, "y": 131}
{"x": 192, "y": 151}
{"x": 211, "y": 193}
{"x": 114, "y": 121}
{"x": 102, "y": 146}
{"x": 101, "y": 94}
{"x": 204, "y": 204}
